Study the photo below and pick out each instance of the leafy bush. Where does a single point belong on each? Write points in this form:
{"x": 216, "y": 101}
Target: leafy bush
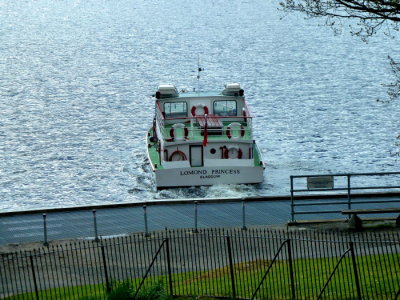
{"x": 122, "y": 291}
{"x": 153, "y": 292}
{"x": 125, "y": 291}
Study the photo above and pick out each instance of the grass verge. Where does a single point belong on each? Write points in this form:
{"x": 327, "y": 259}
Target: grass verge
{"x": 378, "y": 275}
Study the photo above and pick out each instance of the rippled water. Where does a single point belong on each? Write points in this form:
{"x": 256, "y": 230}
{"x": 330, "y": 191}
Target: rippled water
{"x": 77, "y": 78}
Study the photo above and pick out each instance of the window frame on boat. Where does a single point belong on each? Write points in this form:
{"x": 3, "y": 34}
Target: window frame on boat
{"x": 178, "y": 114}
{"x": 226, "y": 113}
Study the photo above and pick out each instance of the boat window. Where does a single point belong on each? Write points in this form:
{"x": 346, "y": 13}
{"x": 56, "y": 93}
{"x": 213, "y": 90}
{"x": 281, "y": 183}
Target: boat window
{"x": 175, "y": 109}
{"x": 225, "y": 108}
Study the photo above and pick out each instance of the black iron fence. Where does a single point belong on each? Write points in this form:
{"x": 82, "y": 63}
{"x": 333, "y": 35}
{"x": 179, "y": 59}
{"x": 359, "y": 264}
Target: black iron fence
{"x": 254, "y": 264}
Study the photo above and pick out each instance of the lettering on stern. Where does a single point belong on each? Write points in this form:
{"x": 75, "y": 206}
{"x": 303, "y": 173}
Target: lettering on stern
{"x": 214, "y": 173}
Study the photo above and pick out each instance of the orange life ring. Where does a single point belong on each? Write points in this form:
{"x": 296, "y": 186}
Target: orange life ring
{"x": 179, "y": 155}
{"x": 239, "y": 126}
{"x": 239, "y": 152}
{"x": 194, "y": 108}
{"x": 172, "y": 132}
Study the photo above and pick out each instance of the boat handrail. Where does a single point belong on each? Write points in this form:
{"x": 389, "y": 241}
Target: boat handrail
{"x": 195, "y": 131}
{"x": 236, "y": 118}
{"x": 159, "y": 111}
{"x": 246, "y": 108}
{"x": 160, "y": 115}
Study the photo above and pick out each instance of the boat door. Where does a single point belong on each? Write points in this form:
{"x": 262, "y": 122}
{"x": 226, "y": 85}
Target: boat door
{"x": 196, "y": 156}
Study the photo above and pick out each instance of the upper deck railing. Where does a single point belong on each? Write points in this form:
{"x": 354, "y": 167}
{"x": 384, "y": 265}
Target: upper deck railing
{"x": 193, "y": 128}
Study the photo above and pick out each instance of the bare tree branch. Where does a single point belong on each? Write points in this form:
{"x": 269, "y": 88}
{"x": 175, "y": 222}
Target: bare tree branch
{"x": 372, "y": 14}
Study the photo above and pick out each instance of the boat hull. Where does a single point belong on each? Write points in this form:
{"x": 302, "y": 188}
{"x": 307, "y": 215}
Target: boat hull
{"x": 183, "y": 177}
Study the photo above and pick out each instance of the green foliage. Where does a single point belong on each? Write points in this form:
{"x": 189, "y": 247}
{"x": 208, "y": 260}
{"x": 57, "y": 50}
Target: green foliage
{"x": 126, "y": 291}
{"x": 153, "y": 292}
{"x": 122, "y": 291}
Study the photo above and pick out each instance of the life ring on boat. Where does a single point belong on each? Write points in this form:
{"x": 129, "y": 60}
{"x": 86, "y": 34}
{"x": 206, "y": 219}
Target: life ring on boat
{"x": 199, "y": 106}
{"x": 232, "y": 150}
{"x": 177, "y": 155}
{"x": 179, "y": 138}
{"x": 232, "y": 126}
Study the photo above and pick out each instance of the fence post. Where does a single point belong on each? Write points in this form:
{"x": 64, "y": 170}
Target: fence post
{"x": 229, "y": 248}
{"x": 146, "y": 228}
{"x": 291, "y": 269}
{"x": 353, "y": 258}
{"x": 34, "y": 277}
{"x": 171, "y": 291}
{"x": 291, "y": 198}
{"x": 243, "y": 215}
{"x": 96, "y": 236}
{"x": 103, "y": 255}
{"x": 195, "y": 217}
{"x": 348, "y": 192}
{"x": 45, "y": 243}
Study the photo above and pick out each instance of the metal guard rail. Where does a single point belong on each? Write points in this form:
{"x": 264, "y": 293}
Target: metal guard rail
{"x": 349, "y": 189}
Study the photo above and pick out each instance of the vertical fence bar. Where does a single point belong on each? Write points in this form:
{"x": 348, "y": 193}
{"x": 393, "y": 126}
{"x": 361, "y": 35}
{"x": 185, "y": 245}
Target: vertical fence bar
{"x": 229, "y": 248}
{"x": 6, "y": 281}
{"x": 171, "y": 291}
{"x": 96, "y": 236}
{"x": 103, "y": 255}
{"x": 243, "y": 215}
{"x": 34, "y": 277}
{"x": 47, "y": 277}
{"x": 148, "y": 269}
{"x": 195, "y": 230}
{"x": 289, "y": 248}
{"x": 45, "y": 243}
{"x": 353, "y": 259}
{"x": 291, "y": 198}
{"x": 348, "y": 192}
{"x": 146, "y": 228}
{"x": 268, "y": 269}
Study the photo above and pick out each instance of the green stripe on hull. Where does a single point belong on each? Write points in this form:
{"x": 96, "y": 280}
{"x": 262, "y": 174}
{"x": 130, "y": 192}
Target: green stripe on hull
{"x": 153, "y": 153}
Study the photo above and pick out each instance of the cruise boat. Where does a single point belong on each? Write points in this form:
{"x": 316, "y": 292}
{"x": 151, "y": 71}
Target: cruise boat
{"x": 203, "y": 138}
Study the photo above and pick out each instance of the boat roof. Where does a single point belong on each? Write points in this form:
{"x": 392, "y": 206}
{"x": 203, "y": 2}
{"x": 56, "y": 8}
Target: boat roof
{"x": 168, "y": 91}
{"x": 202, "y": 94}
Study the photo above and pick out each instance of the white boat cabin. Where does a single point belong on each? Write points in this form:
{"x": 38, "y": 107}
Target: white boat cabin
{"x": 201, "y": 129}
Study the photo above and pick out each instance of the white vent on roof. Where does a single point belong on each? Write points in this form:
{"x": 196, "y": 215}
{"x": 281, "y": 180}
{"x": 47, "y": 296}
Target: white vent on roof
{"x": 166, "y": 91}
{"x": 233, "y": 89}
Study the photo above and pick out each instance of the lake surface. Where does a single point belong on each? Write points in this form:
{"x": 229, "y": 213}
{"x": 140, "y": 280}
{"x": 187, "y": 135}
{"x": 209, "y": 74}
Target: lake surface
{"x": 76, "y": 79}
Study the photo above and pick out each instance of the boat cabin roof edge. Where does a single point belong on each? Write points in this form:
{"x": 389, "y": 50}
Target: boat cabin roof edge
{"x": 170, "y": 91}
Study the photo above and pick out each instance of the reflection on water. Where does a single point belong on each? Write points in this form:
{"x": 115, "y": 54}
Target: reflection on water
{"x": 77, "y": 78}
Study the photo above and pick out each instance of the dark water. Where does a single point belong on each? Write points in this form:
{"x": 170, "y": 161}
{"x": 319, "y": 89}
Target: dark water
{"x": 77, "y": 76}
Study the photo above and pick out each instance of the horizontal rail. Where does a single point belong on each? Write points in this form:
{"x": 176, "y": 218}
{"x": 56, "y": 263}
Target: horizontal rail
{"x": 327, "y": 186}
{"x": 319, "y": 212}
{"x": 353, "y": 188}
{"x": 347, "y": 174}
{"x": 345, "y": 202}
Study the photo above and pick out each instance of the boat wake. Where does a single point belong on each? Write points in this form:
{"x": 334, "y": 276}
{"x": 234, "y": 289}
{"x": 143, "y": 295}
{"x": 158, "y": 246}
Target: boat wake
{"x": 142, "y": 187}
